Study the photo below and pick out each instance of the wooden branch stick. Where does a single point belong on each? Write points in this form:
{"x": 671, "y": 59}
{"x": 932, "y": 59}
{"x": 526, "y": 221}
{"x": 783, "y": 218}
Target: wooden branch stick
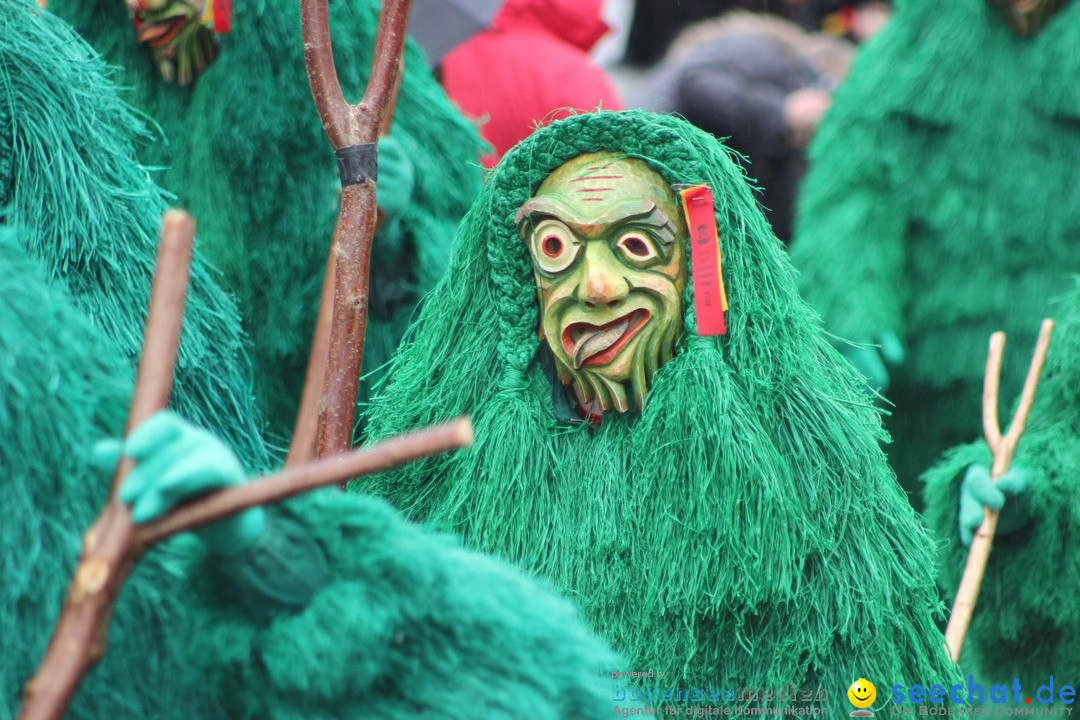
{"x": 346, "y": 126}
{"x": 322, "y": 74}
{"x": 329, "y": 471}
{"x": 113, "y": 545}
{"x": 991, "y": 382}
{"x": 79, "y": 640}
{"x": 161, "y": 337}
{"x": 1003, "y": 448}
{"x": 306, "y": 431}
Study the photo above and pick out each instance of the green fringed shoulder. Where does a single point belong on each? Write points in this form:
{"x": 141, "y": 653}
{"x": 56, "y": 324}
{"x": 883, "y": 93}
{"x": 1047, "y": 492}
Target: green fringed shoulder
{"x": 743, "y": 530}
{"x": 412, "y": 625}
{"x": 1027, "y": 621}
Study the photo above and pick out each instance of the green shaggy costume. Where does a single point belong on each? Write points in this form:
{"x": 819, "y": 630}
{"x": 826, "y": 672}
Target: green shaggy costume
{"x": 75, "y": 283}
{"x": 408, "y": 624}
{"x": 248, "y": 157}
{"x": 743, "y": 529}
{"x": 939, "y": 205}
{"x": 403, "y": 623}
{"x": 1027, "y": 620}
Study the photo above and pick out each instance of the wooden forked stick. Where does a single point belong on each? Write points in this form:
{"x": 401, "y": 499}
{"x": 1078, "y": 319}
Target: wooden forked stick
{"x": 346, "y": 126}
{"x": 306, "y": 430}
{"x": 1003, "y": 447}
{"x": 79, "y": 640}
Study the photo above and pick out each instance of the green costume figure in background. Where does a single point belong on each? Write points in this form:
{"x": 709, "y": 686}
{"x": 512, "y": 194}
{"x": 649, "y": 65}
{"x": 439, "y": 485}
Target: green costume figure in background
{"x": 726, "y": 515}
{"x": 325, "y": 606}
{"x": 940, "y": 206}
{"x": 91, "y": 215}
{"x": 246, "y": 154}
{"x": 1027, "y": 621}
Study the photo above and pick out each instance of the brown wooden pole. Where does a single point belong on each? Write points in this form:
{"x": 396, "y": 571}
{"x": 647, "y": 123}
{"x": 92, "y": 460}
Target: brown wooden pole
{"x": 1003, "y": 448}
{"x": 305, "y": 432}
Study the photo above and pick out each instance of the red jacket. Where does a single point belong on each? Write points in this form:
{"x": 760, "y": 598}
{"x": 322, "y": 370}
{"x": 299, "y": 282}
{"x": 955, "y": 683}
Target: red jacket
{"x": 532, "y": 66}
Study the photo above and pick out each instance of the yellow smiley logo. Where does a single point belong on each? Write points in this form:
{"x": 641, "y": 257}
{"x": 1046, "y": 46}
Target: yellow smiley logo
{"x": 862, "y": 693}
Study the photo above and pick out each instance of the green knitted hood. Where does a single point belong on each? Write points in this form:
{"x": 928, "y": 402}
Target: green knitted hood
{"x": 742, "y": 529}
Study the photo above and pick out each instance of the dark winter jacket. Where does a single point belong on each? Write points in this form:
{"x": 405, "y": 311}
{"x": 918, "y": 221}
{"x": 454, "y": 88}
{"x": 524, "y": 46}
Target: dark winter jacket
{"x": 732, "y": 79}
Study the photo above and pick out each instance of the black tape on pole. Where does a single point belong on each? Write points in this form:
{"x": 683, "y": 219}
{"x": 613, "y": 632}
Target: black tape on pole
{"x": 357, "y": 163}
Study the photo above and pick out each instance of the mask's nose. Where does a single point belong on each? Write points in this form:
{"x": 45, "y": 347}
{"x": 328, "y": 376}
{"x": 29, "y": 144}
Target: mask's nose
{"x": 603, "y": 282}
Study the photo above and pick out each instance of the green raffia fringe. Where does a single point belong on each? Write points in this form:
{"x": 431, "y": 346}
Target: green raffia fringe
{"x": 249, "y": 158}
{"x": 744, "y": 529}
{"x": 938, "y": 205}
{"x": 1027, "y": 621}
{"x": 92, "y": 214}
{"x": 413, "y": 626}
{"x": 64, "y": 385}
{"x": 73, "y": 289}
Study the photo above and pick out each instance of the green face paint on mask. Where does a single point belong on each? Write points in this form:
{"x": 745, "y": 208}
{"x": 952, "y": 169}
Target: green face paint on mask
{"x": 607, "y": 242}
{"x": 1027, "y": 17}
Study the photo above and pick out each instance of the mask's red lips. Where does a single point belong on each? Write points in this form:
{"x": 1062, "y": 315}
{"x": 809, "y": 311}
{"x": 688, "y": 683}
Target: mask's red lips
{"x": 588, "y": 344}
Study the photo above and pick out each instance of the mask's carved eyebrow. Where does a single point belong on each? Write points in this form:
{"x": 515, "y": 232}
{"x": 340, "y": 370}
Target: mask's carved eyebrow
{"x": 642, "y": 212}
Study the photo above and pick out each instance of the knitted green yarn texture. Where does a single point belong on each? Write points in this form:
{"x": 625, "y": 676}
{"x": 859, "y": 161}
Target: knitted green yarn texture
{"x": 248, "y": 156}
{"x": 1027, "y": 621}
{"x": 937, "y": 206}
{"x": 413, "y": 626}
{"x": 743, "y": 529}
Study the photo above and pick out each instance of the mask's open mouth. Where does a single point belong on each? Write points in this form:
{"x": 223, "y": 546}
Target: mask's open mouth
{"x": 588, "y": 344}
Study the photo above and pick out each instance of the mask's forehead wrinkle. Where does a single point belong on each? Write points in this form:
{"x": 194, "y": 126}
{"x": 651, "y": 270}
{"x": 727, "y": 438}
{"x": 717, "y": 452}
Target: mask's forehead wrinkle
{"x": 595, "y": 187}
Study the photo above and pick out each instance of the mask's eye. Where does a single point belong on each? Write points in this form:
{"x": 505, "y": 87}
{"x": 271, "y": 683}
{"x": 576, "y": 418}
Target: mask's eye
{"x": 637, "y": 248}
{"x": 554, "y": 247}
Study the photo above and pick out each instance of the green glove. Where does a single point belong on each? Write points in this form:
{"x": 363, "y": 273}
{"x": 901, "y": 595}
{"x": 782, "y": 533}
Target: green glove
{"x": 870, "y": 355}
{"x": 978, "y": 490}
{"x": 176, "y": 461}
{"x": 397, "y": 177}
